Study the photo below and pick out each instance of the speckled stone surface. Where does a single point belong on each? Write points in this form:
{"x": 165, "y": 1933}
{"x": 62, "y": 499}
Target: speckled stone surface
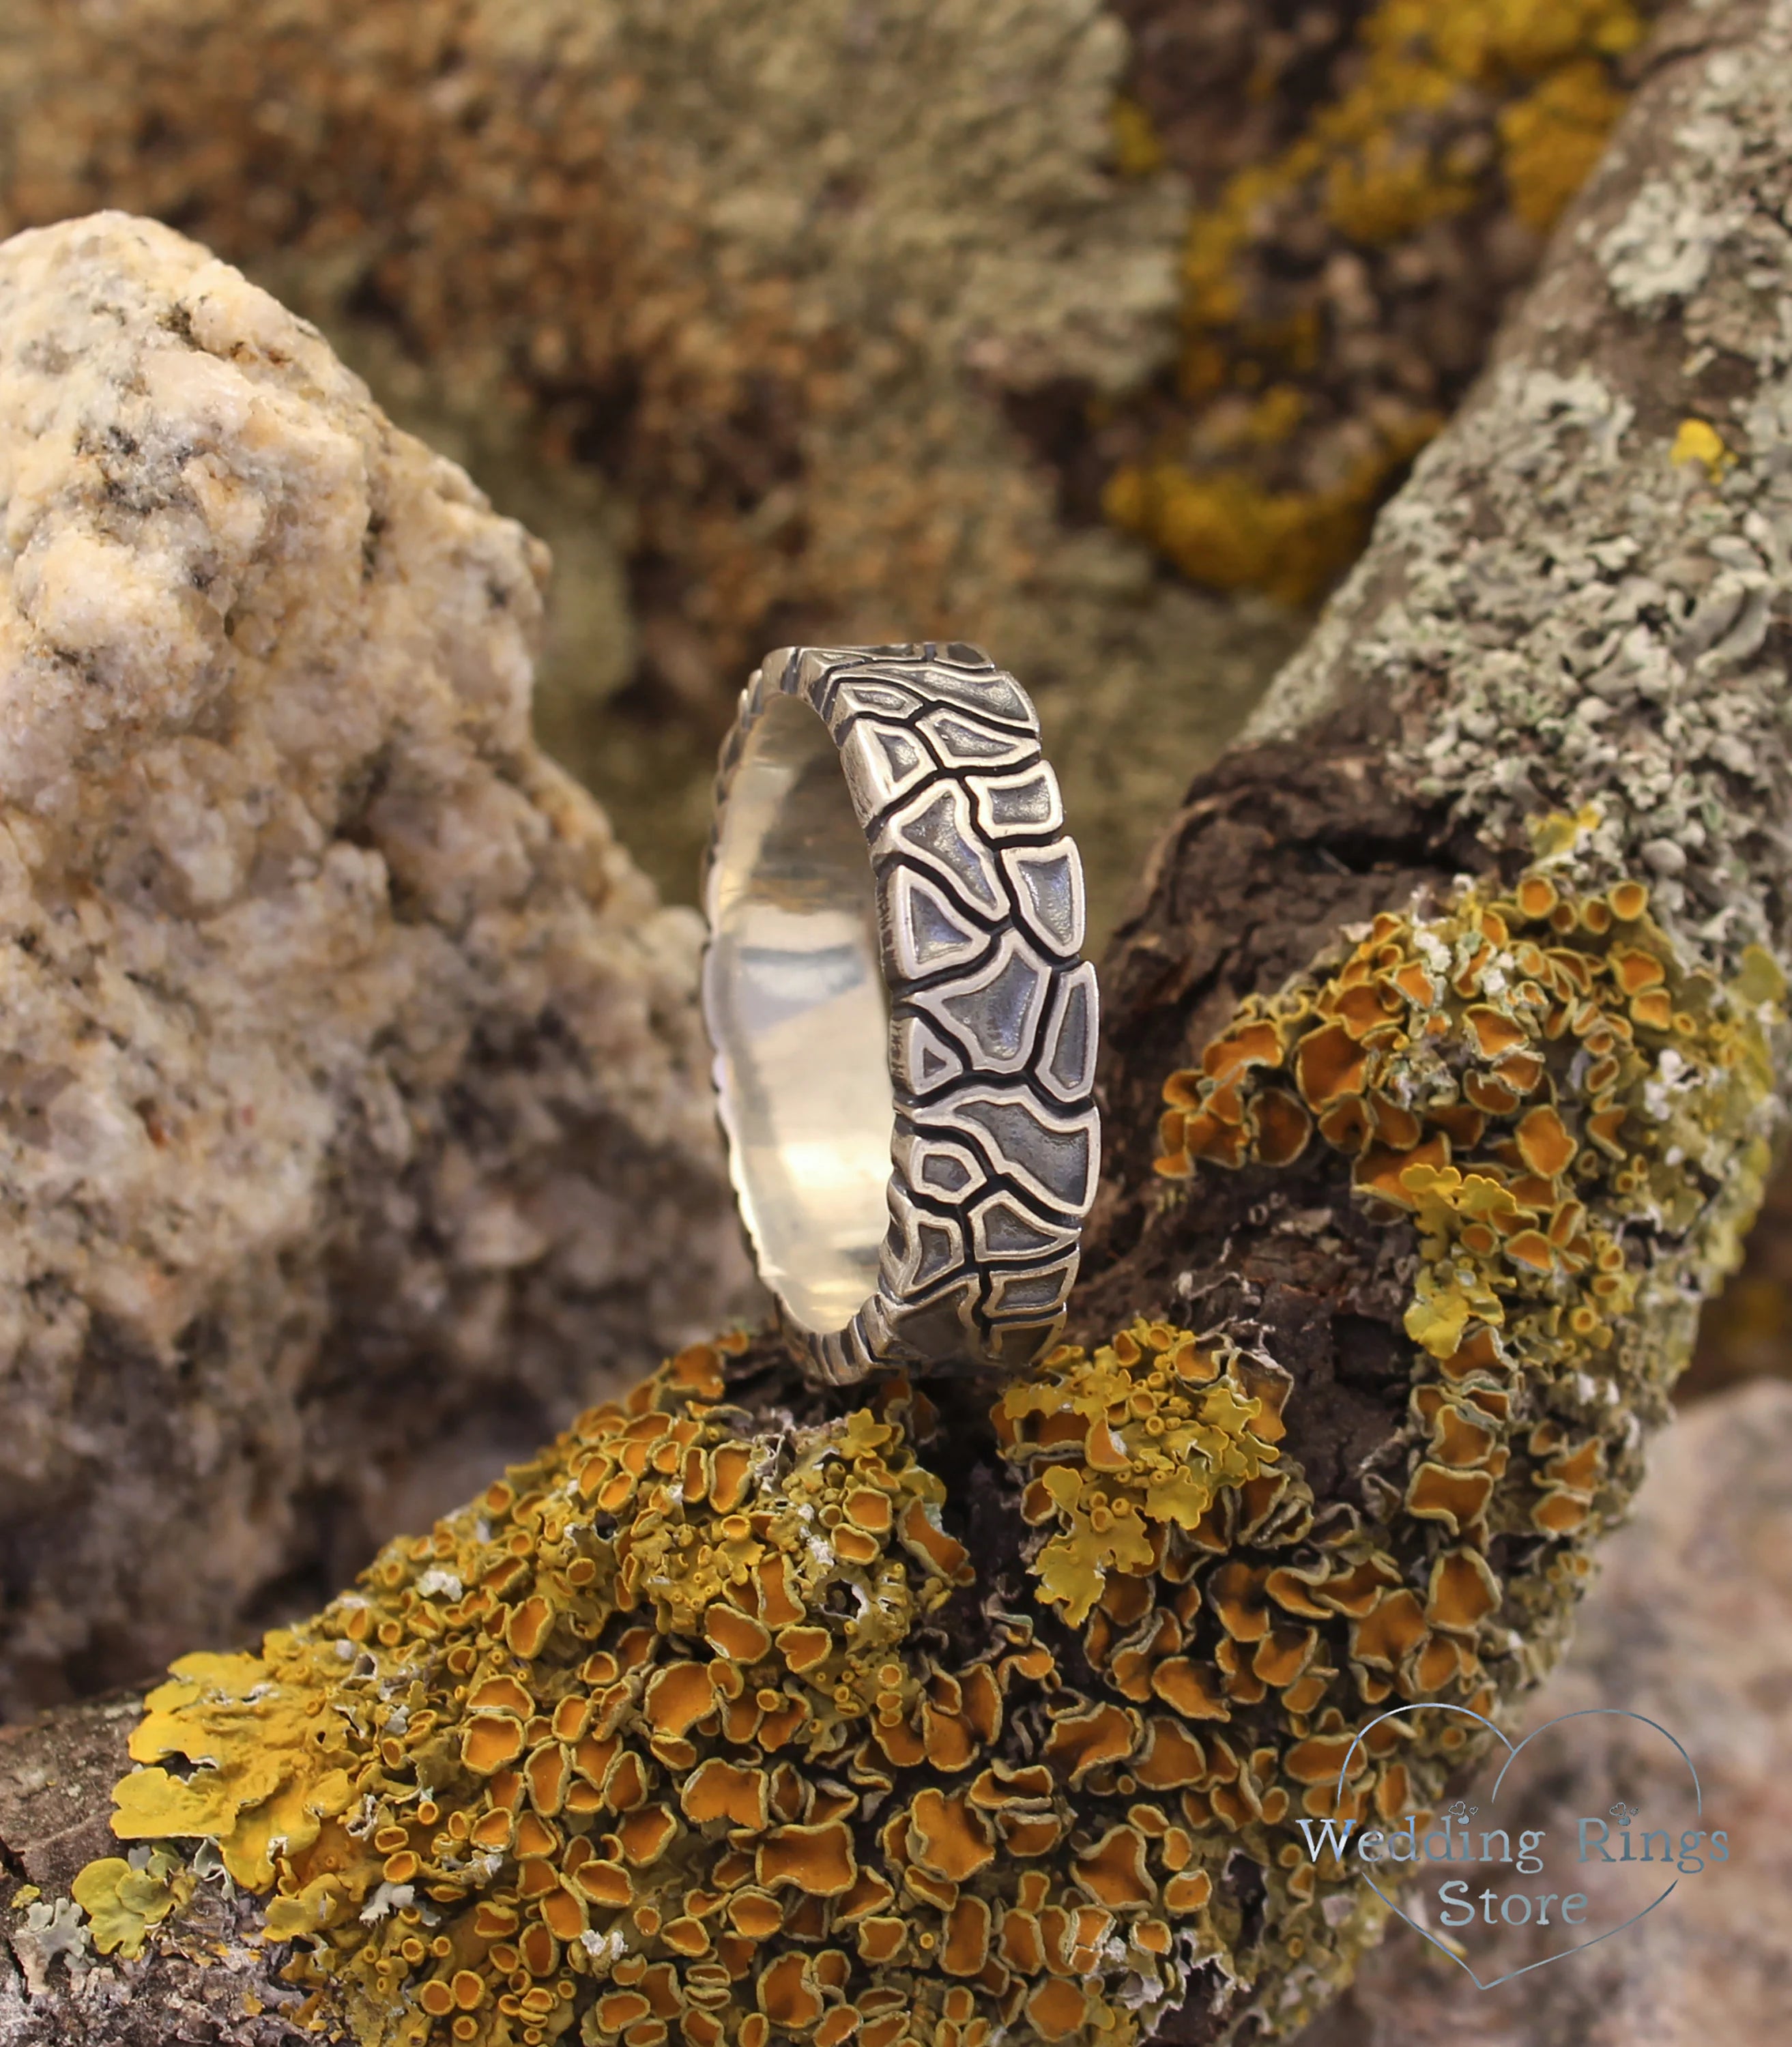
{"x": 353, "y": 1118}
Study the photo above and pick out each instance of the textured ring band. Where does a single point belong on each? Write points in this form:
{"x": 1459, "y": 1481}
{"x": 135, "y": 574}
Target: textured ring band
{"x": 905, "y": 1043}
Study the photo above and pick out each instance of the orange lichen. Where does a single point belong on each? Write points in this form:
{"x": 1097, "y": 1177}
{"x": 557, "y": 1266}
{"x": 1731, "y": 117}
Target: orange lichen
{"x": 640, "y": 1741}
{"x": 1478, "y": 1042}
{"x": 1567, "y": 1119}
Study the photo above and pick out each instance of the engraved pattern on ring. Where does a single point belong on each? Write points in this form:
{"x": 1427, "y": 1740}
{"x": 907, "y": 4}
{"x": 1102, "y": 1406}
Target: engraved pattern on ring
{"x": 996, "y": 1144}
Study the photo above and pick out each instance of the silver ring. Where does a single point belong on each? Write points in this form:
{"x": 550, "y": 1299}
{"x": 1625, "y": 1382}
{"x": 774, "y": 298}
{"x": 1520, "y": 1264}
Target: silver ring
{"x": 904, "y": 1044}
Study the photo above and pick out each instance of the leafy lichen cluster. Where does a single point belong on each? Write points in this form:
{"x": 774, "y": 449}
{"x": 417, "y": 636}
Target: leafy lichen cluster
{"x": 667, "y": 1731}
{"x": 1121, "y": 1447}
{"x": 1564, "y": 1111}
{"x": 1314, "y": 362}
{"x": 125, "y": 1896}
{"x": 706, "y": 1721}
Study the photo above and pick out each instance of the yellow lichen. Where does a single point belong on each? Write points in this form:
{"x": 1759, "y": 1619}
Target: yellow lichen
{"x": 124, "y": 1899}
{"x": 1142, "y": 1436}
{"x": 1225, "y": 528}
{"x": 1451, "y": 106}
{"x": 1697, "y": 440}
{"x": 661, "y": 1732}
{"x": 1553, "y": 137}
{"x": 1137, "y": 150}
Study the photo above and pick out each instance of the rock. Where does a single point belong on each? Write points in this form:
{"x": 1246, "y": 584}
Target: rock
{"x": 353, "y": 1121}
{"x": 1744, "y": 1333}
{"x": 1691, "y": 1626}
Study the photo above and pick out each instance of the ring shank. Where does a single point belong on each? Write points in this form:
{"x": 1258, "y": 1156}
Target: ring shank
{"x": 904, "y": 1026}
{"x": 801, "y": 1015}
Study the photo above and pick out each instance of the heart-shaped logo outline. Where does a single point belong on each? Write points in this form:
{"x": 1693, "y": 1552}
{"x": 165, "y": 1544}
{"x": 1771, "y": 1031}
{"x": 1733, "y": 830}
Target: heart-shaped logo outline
{"x": 1514, "y": 1751}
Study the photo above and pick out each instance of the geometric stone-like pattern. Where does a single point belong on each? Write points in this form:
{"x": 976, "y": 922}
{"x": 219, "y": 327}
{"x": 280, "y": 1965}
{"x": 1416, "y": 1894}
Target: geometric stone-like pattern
{"x": 996, "y": 1145}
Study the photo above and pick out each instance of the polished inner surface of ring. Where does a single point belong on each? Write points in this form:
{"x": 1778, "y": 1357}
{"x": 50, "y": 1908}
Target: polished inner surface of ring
{"x": 793, "y": 979}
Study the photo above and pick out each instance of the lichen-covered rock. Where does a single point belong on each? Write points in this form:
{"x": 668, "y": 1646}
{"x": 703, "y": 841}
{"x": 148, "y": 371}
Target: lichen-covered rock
{"x": 351, "y": 1112}
{"x": 1373, "y": 182}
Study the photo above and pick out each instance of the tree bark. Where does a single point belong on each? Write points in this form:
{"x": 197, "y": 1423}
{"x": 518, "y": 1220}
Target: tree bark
{"x": 1574, "y": 609}
{"x": 1480, "y": 668}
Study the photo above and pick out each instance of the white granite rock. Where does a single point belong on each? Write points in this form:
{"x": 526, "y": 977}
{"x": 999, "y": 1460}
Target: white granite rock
{"x": 354, "y": 1120}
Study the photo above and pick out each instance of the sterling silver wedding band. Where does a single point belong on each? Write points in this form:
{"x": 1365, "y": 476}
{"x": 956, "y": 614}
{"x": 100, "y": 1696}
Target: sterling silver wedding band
{"x": 904, "y": 1028}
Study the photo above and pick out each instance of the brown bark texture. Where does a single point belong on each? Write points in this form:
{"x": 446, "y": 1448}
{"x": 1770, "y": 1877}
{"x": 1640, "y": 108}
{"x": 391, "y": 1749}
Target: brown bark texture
{"x": 1574, "y": 611}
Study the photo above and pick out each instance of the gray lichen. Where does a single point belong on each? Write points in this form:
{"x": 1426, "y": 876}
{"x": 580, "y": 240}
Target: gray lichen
{"x": 53, "y": 1929}
{"x": 1590, "y": 602}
